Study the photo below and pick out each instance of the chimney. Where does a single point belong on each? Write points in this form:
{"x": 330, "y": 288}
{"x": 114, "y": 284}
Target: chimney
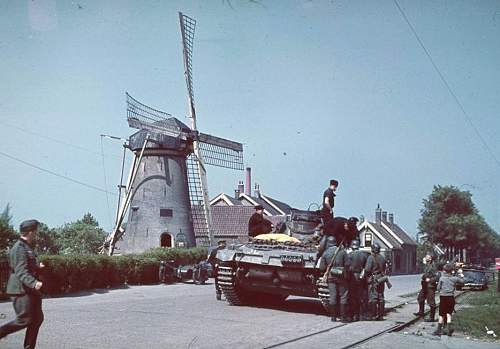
{"x": 241, "y": 188}
{"x": 384, "y": 216}
{"x": 391, "y": 218}
{"x": 257, "y": 191}
{"x": 378, "y": 214}
{"x": 236, "y": 193}
{"x": 248, "y": 184}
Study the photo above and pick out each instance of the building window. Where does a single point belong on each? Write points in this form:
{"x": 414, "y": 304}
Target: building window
{"x": 166, "y": 212}
{"x": 368, "y": 239}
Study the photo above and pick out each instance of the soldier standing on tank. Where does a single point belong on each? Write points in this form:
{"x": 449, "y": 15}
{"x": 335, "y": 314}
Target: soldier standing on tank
{"x": 430, "y": 277}
{"x": 358, "y": 291}
{"x": 24, "y": 286}
{"x": 214, "y": 261}
{"x": 328, "y": 201}
{"x": 337, "y": 279}
{"x": 374, "y": 270}
{"x": 258, "y": 224}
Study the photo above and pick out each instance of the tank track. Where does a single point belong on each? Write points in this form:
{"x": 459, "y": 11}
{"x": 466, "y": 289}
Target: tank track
{"x": 324, "y": 295}
{"x": 227, "y": 282}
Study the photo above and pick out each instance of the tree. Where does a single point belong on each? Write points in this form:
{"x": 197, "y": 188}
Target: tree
{"x": 81, "y": 237}
{"x": 46, "y": 240}
{"x": 450, "y": 218}
{"x": 7, "y": 233}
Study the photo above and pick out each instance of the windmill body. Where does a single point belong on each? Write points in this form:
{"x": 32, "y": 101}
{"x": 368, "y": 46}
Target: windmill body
{"x": 160, "y": 210}
{"x": 166, "y": 196}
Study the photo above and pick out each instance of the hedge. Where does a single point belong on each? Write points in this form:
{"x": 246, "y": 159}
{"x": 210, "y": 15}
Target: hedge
{"x": 72, "y": 273}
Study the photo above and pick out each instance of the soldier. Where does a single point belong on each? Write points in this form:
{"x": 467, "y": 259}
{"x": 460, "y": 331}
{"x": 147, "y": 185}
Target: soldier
{"x": 427, "y": 292}
{"x": 329, "y": 201}
{"x": 358, "y": 291}
{"x": 212, "y": 259}
{"x": 24, "y": 286}
{"x": 337, "y": 279}
{"x": 375, "y": 267}
{"x": 258, "y": 224}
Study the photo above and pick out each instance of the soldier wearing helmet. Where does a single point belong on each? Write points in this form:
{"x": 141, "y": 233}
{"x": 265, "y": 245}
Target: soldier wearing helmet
{"x": 375, "y": 268}
{"x": 336, "y": 257}
{"x": 358, "y": 291}
{"x": 430, "y": 277}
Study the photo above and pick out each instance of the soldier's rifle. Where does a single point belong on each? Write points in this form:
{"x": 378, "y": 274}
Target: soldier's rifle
{"x": 330, "y": 265}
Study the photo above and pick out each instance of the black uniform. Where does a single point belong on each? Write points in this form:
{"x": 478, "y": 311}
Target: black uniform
{"x": 358, "y": 288}
{"x": 258, "y": 225}
{"x": 27, "y": 301}
{"x": 336, "y": 228}
{"x": 375, "y": 268}
{"x": 326, "y": 213}
{"x": 337, "y": 281}
{"x": 428, "y": 290}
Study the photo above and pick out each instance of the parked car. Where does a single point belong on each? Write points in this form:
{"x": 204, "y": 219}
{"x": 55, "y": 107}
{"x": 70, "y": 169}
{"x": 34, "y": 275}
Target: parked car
{"x": 475, "y": 279}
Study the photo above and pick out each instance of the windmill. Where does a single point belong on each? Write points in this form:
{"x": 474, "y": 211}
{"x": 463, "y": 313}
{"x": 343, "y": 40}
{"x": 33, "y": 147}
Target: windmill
{"x": 166, "y": 195}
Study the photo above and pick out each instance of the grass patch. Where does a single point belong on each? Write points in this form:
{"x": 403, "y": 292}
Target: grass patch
{"x": 477, "y": 310}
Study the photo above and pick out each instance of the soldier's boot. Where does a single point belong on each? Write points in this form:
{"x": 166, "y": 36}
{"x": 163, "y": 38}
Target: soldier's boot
{"x": 372, "y": 311}
{"x": 432, "y": 315}
{"x": 344, "y": 316}
{"x": 450, "y": 329}
{"x": 438, "y": 330}
{"x": 420, "y": 309}
{"x": 218, "y": 295}
{"x": 334, "y": 312}
{"x": 380, "y": 310}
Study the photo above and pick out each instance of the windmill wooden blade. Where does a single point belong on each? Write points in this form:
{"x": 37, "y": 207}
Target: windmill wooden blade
{"x": 220, "y": 152}
{"x": 200, "y": 208}
{"x": 143, "y": 117}
{"x": 188, "y": 26}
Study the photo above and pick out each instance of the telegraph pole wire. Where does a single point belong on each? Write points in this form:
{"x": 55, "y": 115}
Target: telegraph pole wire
{"x": 448, "y": 87}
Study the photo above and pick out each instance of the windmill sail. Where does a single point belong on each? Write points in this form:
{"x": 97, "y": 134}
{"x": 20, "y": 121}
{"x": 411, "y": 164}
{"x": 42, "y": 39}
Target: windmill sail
{"x": 197, "y": 181}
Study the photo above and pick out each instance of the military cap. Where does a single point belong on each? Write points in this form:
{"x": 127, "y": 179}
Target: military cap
{"x": 258, "y": 207}
{"x": 29, "y": 225}
{"x": 220, "y": 242}
{"x": 334, "y": 182}
{"x": 448, "y": 267}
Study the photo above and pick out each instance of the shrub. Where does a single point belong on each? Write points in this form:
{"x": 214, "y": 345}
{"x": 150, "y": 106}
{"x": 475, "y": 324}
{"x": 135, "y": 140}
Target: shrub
{"x": 73, "y": 273}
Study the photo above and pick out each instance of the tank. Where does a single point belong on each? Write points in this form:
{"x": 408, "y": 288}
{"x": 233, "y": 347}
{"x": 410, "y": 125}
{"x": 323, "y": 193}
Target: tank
{"x": 270, "y": 271}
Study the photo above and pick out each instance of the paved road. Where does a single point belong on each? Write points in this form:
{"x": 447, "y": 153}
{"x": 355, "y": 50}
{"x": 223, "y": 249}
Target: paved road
{"x": 186, "y": 316}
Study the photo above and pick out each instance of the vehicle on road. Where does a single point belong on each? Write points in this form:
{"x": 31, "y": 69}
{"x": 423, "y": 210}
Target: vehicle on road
{"x": 475, "y": 279}
{"x": 270, "y": 270}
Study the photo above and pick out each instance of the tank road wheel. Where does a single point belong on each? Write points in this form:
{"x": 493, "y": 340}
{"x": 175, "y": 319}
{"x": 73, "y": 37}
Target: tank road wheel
{"x": 227, "y": 282}
{"x": 324, "y": 295}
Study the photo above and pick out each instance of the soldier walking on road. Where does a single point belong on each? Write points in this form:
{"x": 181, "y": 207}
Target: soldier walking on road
{"x": 375, "y": 267}
{"x": 358, "y": 291}
{"x": 337, "y": 279}
{"x": 24, "y": 286}
{"x": 427, "y": 293}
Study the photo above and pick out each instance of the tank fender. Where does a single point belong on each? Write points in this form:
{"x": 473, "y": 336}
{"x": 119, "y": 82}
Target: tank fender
{"x": 226, "y": 255}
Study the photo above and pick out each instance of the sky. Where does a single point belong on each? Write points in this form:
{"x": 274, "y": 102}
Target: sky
{"x": 314, "y": 90}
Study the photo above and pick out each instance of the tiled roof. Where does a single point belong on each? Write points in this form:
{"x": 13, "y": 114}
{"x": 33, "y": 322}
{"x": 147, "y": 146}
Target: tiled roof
{"x": 407, "y": 240}
{"x": 232, "y": 221}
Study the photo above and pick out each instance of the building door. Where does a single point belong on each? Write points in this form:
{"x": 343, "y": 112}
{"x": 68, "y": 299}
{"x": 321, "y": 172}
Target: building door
{"x": 166, "y": 240}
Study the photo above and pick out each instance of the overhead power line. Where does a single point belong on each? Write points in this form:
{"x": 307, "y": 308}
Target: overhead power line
{"x": 55, "y": 173}
{"x": 448, "y": 87}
